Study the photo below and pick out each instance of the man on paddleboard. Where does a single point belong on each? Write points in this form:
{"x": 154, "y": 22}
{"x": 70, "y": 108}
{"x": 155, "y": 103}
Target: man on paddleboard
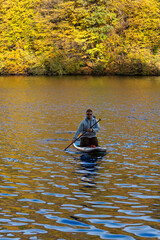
{"x": 89, "y": 138}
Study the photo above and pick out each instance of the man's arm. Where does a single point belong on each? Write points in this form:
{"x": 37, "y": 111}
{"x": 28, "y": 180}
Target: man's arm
{"x": 96, "y": 127}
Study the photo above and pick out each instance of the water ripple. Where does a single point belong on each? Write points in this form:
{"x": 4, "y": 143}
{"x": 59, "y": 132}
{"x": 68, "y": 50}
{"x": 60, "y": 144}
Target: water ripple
{"x": 49, "y": 193}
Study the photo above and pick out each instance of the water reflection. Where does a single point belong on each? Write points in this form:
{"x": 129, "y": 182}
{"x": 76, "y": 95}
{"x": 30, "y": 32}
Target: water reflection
{"x": 47, "y": 193}
{"x": 88, "y": 166}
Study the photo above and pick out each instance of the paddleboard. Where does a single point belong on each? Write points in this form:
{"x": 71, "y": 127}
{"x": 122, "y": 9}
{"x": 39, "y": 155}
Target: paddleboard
{"x": 91, "y": 149}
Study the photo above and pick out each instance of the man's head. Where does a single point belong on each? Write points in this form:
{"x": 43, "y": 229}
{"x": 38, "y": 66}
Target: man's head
{"x": 89, "y": 113}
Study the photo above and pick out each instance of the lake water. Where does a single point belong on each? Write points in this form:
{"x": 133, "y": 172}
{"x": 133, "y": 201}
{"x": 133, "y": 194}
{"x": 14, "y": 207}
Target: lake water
{"x": 49, "y": 194}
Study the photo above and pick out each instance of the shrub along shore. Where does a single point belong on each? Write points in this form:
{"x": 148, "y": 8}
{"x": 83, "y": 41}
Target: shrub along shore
{"x": 94, "y": 37}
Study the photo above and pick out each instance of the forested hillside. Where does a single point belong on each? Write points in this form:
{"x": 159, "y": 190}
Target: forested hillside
{"x": 98, "y": 37}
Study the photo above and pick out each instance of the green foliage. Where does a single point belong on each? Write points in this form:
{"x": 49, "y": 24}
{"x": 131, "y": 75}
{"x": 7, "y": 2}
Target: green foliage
{"x": 57, "y": 37}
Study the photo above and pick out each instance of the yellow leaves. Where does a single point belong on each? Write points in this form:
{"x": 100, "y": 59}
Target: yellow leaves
{"x": 51, "y": 36}
{"x": 139, "y": 23}
{"x": 23, "y": 27}
{"x": 144, "y": 55}
{"x": 15, "y": 62}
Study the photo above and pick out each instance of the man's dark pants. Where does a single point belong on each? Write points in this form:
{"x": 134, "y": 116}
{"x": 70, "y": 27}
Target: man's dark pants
{"x": 87, "y": 142}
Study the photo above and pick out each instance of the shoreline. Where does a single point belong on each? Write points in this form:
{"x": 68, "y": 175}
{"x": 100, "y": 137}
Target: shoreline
{"x": 91, "y": 75}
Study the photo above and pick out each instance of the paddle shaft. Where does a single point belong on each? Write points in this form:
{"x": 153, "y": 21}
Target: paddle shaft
{"x": 82, "y": 134}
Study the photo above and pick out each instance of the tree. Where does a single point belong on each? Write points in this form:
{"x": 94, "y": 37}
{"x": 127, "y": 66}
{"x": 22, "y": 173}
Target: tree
{"x": 80, "y": 36}
{"x": 25, "y": 34}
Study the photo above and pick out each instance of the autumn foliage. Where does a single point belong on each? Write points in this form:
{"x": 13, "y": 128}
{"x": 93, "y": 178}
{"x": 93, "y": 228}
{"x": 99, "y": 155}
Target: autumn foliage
{"x": 59, "y": 37}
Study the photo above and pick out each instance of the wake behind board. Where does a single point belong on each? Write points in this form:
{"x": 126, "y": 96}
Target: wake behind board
{"x": 92, "y": 149}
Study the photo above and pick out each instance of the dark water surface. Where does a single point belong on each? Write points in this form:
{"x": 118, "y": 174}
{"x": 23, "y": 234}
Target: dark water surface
{"x": 46, "y": 193}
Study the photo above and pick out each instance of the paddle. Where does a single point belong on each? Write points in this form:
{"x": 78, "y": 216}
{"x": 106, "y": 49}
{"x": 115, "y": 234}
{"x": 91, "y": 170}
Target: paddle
{"x": 81, "y": 135}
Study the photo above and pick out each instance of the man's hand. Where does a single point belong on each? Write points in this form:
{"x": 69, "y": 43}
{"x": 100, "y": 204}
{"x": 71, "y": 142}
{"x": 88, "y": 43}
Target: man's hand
{"x": 89, "y": 130}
